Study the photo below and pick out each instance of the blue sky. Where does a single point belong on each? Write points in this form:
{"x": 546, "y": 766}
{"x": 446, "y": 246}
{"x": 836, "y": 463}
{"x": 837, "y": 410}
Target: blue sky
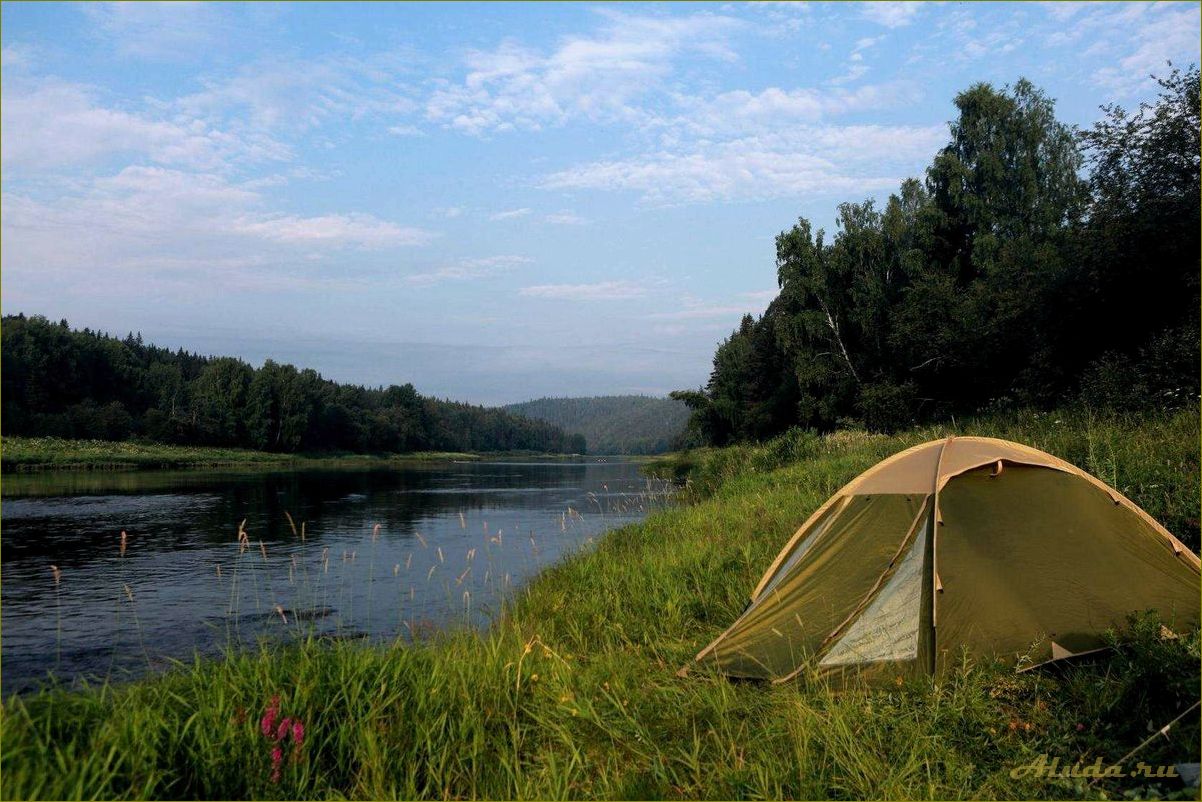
{"x": 495, "y": 202}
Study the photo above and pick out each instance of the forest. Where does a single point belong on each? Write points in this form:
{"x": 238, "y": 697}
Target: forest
{"x": 1035, "y": 265}
{"x": 61, "y": 382}
{"x": 614, "y": 424}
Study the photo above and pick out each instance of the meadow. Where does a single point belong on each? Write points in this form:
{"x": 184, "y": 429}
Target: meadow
{"x": 572, "y": 693}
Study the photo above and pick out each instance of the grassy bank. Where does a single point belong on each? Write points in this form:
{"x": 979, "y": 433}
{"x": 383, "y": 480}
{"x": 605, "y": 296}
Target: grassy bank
{"x": 573, "y": 693}
{"x": 51, "y": 453}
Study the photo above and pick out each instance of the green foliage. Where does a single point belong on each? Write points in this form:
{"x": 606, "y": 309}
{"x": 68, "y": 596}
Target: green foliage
{"x": 887, "y": 407}
{"x": 1003, "y": 278}
{"x": 613, "y": 424}
{"x": 573, "y": 693}
{"x": 85, "y": 385}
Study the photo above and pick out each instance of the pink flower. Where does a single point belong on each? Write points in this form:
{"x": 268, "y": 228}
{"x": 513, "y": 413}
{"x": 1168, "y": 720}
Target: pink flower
{"x": 284, "y": 729}
{"x": 298, "y": 732}
{"x": 267, "y": 724}
{"x": 1080, "y": 727}
{"x": 277, "y": 757}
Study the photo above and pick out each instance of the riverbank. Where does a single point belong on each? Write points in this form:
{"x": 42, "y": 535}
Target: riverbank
{"x": 573, "y": 692}
{"x": 52, "y": 453}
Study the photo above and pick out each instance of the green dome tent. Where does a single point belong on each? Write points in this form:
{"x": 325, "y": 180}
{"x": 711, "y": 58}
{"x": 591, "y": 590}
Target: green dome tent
{"x": 965, "y": 544}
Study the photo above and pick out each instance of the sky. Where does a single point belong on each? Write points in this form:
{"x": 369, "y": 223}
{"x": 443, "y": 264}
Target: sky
{"x": 494, "y": 202}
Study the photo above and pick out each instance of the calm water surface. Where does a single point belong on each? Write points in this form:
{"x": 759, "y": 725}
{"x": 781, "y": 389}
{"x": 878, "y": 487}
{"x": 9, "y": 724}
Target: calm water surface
{"x": 453, "y": 539}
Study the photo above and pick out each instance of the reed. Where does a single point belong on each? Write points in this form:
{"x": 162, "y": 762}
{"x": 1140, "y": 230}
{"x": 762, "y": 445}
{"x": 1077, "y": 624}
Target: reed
{"x": 58, "y": 616}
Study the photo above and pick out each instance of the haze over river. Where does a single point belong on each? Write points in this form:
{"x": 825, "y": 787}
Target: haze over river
{"x": 453, "y": 539}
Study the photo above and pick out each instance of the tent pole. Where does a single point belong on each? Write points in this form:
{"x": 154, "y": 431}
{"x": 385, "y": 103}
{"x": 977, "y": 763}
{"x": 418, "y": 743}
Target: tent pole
{"x": 936, "y": 586}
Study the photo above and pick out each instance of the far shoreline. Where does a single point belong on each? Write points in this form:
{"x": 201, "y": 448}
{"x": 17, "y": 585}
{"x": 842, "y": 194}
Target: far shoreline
{"x": 45, "y": 454}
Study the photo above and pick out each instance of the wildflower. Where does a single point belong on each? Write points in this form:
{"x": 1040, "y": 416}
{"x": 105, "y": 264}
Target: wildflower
{"x": 267, "y": 725}
{"x": 1080, "y": 727}
{"x": 284, "y": 729}
{"x": 277, "y": 757}
{"x": 298, "y": 732}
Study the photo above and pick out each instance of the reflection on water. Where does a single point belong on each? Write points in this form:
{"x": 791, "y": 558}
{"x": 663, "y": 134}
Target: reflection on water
{"x": 375, "y": 553}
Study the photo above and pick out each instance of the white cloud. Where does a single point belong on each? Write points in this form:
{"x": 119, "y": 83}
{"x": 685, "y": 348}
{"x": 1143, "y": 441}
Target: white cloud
{"x": 855, "y": 71}
{"x": 158, "y": 30}
{"x": 1061, "y": 10}
{"x": 600, "y": 291}
{"x": 53, "y": 124}
{"x": 153, "y": 224}
{"x": 743, "y": 113}
{"x": 468, "y": 269}
{"x": 16, "y": 56}
{"x": 510, "y": 214}
{"x": 599, "y": 77}
{"x": 827, "y": 160}
{"x": 448, "y": 212}
{"x": 785, "y": 17}
{"x": 303, "y": 94}
{"x": 856, "y": 68}
{"x": 564, "y": 218}
{"x": 1156, "y": 34}
{"x": 696, "y": 309}
{"x": 890, "y": 13}
{"x": 701, "y": 313}
{"x": 339, "y": 230}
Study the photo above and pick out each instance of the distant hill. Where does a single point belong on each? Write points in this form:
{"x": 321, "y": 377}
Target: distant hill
{"x": 613, "y": 424}
{"x": 85, "y": 385}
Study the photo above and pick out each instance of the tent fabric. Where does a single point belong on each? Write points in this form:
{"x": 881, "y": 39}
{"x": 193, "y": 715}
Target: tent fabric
{"x": 829, "y": 582}
{"x": 888, "y": 630}
{"x": 1094, "y": 560}
{"x": 966, "y": 544}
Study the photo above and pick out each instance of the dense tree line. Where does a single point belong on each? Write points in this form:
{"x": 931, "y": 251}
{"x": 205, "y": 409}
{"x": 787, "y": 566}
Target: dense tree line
{"x": 1035, "y": 264}
{"x": 614, "y": 424}
{"x": 84, "y": 384}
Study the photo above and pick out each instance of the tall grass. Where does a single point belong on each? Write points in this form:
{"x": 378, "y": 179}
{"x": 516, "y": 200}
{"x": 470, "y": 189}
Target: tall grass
{"x": 1152, "y": 459}
{"x": 54, "y": 453}
{"x": 572, "y": 693}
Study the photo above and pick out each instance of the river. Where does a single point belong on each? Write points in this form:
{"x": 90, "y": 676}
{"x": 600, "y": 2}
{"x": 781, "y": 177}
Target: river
{"x": 369, "y": 554}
